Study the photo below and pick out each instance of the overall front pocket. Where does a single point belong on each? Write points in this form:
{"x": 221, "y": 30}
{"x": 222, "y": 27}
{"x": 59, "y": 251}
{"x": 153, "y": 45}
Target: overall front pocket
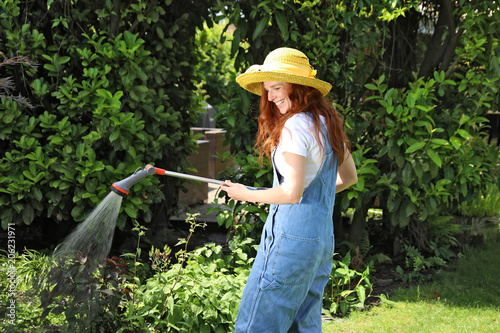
{"x": 295, "y": 259}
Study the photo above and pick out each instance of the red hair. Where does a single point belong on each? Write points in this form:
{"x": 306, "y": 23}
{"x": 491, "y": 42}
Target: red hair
{"x": 304, "y": 99}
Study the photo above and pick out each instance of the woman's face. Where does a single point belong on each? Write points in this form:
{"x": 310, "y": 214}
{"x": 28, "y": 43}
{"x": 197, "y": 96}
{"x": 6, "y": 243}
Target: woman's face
{"x": 278, "y": 93}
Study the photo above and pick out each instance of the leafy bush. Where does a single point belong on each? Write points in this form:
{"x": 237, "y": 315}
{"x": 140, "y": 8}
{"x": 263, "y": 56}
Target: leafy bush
{"x": 202, "y": 295}
{"x": 484, "y": 203}
{"x": 87, "y": 293}
{"x": 201, "y": 292}
{"x": 435, "y": 157}
{"x": 347, "y": 289}
{"x": 113, "y": 91}
{"x": 417, "y": 268}
{"x": 216, "y": 67}
{"x": 19, "y": 275}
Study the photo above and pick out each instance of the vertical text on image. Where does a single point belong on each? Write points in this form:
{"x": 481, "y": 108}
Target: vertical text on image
{"x": 11, "y": 273}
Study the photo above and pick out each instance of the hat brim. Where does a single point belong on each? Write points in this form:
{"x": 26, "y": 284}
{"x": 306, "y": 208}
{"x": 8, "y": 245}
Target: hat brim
{"x": 253, "y": 81}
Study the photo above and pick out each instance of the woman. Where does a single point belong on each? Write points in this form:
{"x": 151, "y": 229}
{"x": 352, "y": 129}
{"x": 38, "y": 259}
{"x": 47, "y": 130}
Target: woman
{"x": 302, "y": 134}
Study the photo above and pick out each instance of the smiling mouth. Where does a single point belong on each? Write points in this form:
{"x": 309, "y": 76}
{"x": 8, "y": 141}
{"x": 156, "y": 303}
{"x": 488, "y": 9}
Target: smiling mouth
{"x": 280, "y": 102}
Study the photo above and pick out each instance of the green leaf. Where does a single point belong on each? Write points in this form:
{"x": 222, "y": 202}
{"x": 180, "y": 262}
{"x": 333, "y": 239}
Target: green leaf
{"x": 463, "y": 119}
{"x": 160, "y": 33}
{"x": 76, "y": 212}
{"x": 463, "y": 133}
{"x": 425, "y": 108}
{"x": 114, "y": 135}
{"x": 228, "y": 223}
{"x": 28, "y": 214}
{"x": 37, "y": 193}
{"x": 235, "y": 44}
{"x": 418, "y": 169}
{"x": 414, "y": 147}
{"x": 263, "y": 22}
{"x": 63, "y": 60}
{"x": 263, "y": 3}
{"x": 282, "y": 22}
{"x": 231, "y": 120}
{"x": 28, "y": 175}
{"x": 361, "y": 291}
{"x": 131, "y": 211}
{"x": 407, "y": 174}
{"x": 480, "y": 120}
{"x": 385, "y": 300}
{"x": 434, "y": 157}
{"x": 343, "y": 307}
{"x": 142, "y": 89}
{"x": 462, "y": 85}
{"x": 80, "y": 150}
{"x": 439, "y": 142}
{"x": 437, "y": 77}
{"x": 456, "y": 142}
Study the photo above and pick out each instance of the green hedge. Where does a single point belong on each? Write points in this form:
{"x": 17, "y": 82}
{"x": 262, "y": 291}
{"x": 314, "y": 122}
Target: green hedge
{"x": 113, "y": 91}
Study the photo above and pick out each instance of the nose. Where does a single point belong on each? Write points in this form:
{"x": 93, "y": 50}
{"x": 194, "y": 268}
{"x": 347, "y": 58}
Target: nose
{"x": 270, "y": 96}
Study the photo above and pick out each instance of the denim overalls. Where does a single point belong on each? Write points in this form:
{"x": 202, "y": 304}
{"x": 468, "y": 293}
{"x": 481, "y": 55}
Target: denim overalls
{"x": 284, "y": 291}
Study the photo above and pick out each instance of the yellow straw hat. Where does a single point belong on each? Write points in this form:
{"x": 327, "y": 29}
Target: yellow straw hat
{"x": 284, "y": 65}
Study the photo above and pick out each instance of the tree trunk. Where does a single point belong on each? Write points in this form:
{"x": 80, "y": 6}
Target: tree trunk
{"x": 439, "y": 53}
{"x": 115, "y": 18}
{"x": 358, "y": 226}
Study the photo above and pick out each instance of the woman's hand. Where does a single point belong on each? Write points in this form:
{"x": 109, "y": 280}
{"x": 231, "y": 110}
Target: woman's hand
{"x": 289, "y": 192}
{"x": 235, "y": 191}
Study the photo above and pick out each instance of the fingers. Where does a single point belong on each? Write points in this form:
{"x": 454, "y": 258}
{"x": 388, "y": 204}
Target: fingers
{"x": 227, "y": 183}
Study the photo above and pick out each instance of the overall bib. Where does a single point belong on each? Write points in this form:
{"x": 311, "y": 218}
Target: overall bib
{"x": 284, "y": 291}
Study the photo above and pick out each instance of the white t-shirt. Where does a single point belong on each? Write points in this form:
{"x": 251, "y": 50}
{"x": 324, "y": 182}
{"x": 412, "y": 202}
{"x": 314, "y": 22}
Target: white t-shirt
{"x": 298, "y": 138}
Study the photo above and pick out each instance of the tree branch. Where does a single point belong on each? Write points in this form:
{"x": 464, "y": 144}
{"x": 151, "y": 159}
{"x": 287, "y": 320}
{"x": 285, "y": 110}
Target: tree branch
{"x": 450, "y": 50}
{"x": 115, "y": 18}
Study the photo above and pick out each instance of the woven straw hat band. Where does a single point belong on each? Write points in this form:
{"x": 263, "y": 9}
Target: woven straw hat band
{"x": 288, "y": 67}
{"x": 289, "y": 61}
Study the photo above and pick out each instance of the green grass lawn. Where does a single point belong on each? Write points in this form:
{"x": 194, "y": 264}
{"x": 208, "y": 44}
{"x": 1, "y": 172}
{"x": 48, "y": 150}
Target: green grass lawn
{"x": 464, "y": 298}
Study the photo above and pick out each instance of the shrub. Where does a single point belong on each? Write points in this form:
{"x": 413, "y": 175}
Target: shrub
{"x": 19, "y": 274}
{"x": 112, "y": 92}
{"x": 200, "y": 292}
{"x": 201, "y": 296}
{"x": 347, "y": 288}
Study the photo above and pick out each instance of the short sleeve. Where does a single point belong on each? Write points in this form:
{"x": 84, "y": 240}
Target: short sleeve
{"x": 296, "y": 136}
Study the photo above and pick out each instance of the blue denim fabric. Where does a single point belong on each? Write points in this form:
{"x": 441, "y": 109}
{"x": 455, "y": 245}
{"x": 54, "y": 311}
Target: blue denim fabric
{"x": 284, "y": 291}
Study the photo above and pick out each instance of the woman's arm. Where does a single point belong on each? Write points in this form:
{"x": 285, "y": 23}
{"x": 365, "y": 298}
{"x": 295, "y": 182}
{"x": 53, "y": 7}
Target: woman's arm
{"x": 289, "y": 192}
{"x": 347, "y": 175}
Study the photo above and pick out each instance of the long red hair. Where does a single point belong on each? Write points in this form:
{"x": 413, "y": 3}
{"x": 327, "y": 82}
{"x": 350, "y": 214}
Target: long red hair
{"x": 304, "y": 99}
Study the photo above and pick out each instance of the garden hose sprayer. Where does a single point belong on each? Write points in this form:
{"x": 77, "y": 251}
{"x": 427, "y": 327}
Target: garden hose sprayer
{"x": 123, "y": 186}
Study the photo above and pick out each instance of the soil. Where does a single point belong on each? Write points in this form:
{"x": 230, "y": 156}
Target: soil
{"x": 385, "y": 283}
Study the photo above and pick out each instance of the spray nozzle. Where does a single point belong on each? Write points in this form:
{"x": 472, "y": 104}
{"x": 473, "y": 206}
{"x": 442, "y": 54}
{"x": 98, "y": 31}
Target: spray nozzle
{"x": 123, "y": 186}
